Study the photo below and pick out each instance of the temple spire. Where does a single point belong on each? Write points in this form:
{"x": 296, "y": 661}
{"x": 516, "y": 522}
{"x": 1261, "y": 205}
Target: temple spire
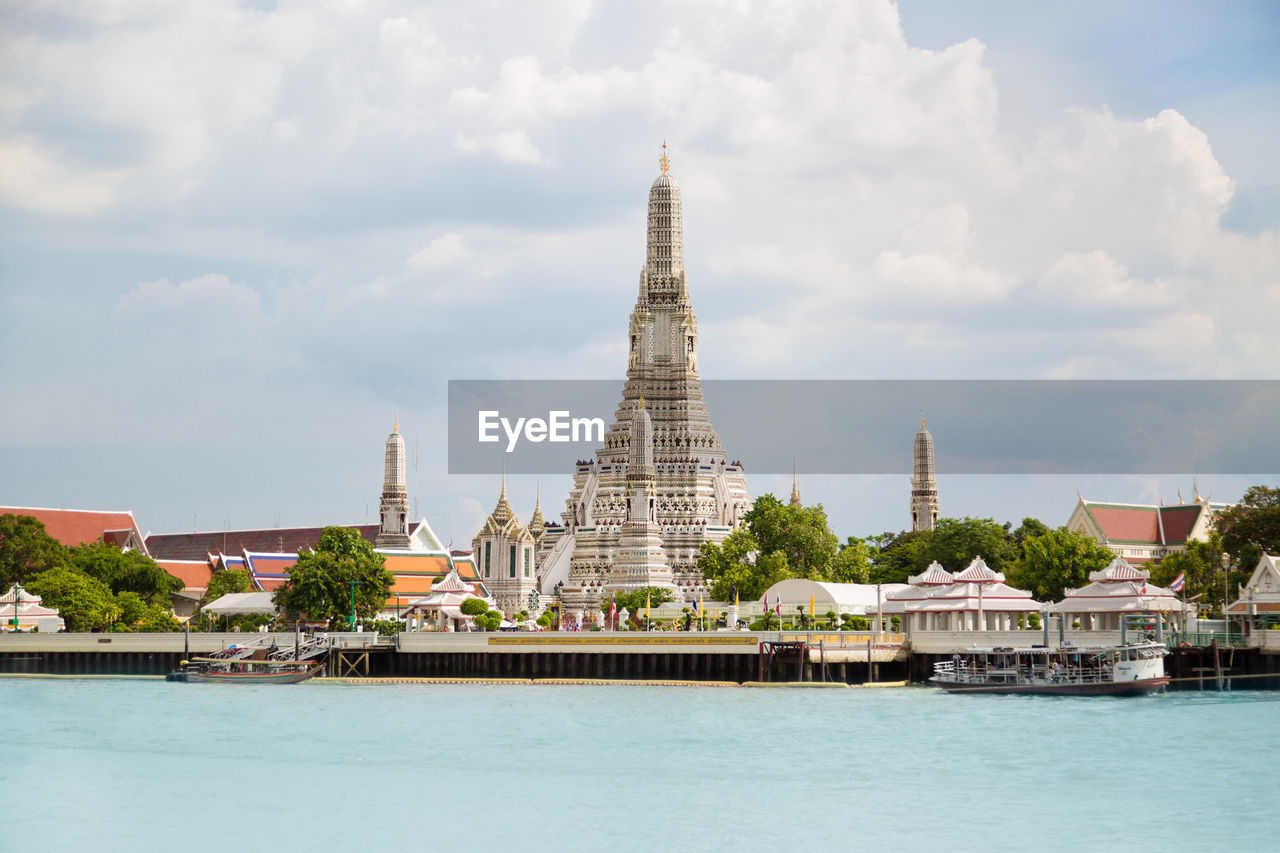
{"x": 795, "y": 484}
{"x": 924, "y": 486}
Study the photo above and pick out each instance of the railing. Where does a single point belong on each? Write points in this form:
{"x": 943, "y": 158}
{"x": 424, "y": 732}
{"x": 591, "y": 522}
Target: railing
{"x": 969, "y": 672}
{"x": 842, "y": 639}
{"x": 1226, "y": 639}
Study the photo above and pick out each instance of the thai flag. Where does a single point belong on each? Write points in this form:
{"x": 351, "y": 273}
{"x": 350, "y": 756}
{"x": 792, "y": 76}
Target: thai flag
{"x": 1179, "y": 582}
{"x": 777, "y": 604}
{"x": 613, "y": 608}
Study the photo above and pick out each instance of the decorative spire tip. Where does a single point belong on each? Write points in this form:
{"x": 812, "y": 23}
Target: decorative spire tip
{"x": 664, "y": 161}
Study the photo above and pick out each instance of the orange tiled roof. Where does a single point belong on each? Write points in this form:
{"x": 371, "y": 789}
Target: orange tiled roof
{"x": 194, "y": 574}
{"x": 74, "y": 527}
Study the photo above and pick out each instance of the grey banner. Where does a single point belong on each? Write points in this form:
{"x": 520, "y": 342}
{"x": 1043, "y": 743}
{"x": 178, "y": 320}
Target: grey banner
{"x": 868, "y": 426}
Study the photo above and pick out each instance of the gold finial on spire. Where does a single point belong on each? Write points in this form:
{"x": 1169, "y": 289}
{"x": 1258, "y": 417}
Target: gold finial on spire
{"x": 1195, "y": 484}
{"x": 642, "y": 399}
{"x": 922, "y": 419}
{"x": 395, "y": 422}
{"x": 664, "y": 161}
{"x": 503, "y": 496}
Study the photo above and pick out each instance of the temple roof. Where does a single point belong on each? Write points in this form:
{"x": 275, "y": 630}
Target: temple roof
{"x": 74, "y": 527}
{"x": 280, "y": 540}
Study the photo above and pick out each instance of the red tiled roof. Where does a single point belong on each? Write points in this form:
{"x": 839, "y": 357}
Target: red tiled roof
{"x": 1178, "y": 521}
{"x": 194, "y": 574}
{"x": 74, "y": 527}
{"x": 1127, "y": 524}
{"x": 288, "y": 540}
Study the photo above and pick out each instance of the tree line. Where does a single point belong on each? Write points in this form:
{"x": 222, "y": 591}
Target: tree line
{"x": 94, "y": 586}
{"x": 779, "y": 541}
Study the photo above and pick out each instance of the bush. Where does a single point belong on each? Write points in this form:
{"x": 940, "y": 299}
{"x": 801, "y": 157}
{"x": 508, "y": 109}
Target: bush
{"x": 1033, "y": 621}
{"x": 474, "y": 607}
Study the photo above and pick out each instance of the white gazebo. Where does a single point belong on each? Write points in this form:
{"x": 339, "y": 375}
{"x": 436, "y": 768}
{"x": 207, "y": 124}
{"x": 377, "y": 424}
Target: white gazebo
{"x": 1258, "y": 604}
{"x": 234, "y": 603}
{"x": 30, "y": 614}
{"x": 442, "y": 606}
{"x": 1117, "y": 590}
{"x": 975, "y": 599}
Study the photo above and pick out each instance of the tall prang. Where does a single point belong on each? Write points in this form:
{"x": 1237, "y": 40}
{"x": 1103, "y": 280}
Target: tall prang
{"x": 924, "y": 486}
{"x": 393, "y": 510}
{"x": 699, "y": 494}
{"x": 640, "y": 560}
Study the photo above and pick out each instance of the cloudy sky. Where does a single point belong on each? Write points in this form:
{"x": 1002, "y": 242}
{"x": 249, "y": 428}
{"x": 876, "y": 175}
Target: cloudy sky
{"x": 236, "y": 237}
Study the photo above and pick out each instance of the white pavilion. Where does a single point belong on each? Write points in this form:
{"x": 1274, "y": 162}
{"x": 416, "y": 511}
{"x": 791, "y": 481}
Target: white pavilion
{"x": 1258, "y": 603}
{"x": 975, "y": 599}
{"x": 30, "y": 613}
{"x": 1116, "y": 590}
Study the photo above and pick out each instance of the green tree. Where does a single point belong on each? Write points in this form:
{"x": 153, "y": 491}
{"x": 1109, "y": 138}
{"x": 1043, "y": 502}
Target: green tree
{"x": 801, "y": 533}
{"x": 1201, "y": 563}
{"x": 132, "y": 609}
{"x": 26, "y": 549}
{"x": 738, "y": 564}
{"x": 953, "y": 542}
{"x": 227, "y": 582}
{"x": 893, "y": 556}
{"x": 1029, "y": 527}
{"x": 125, "y": 571}
{"x": 321, "y": 584}
{"x": 83, "y": 602}
{"x": 1251, "y": 527}
{"x": 853, "y": 563}
{"x": 1055, "y": 561}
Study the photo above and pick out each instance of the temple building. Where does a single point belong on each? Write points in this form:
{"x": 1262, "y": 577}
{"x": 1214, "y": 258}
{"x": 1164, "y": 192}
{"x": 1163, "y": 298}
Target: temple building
{"x": 1144, "y": 533}
{"x": 504, "y": 552}
{"x": 1258, "y": 604}
{"x": 924, "y": 487}
{"x": 394, "y": 506}
{"x": 639, "y": 560}
{"x": 698, "y": 494}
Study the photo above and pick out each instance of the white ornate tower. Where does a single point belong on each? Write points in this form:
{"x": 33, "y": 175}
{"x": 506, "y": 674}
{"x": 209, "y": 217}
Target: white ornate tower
{"x": 924, "y": 488}
{"x": 639, "y": 560}
{"x": 503, "y": 551}
{"x": 394, "y": 507}
{"x": 795, "y": 485}
{"x": 699, "y": 494}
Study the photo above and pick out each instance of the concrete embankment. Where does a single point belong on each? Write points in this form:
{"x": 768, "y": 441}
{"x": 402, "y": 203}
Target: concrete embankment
{"x": 659, "y": 658}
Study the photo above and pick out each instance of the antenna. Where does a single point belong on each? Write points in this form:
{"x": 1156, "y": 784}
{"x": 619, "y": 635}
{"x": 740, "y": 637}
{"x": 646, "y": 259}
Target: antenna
{"x": 417, "y": 479}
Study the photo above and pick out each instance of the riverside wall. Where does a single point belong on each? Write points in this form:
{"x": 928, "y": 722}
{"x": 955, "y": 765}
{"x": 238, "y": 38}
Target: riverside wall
{"x": 713, "y": 656}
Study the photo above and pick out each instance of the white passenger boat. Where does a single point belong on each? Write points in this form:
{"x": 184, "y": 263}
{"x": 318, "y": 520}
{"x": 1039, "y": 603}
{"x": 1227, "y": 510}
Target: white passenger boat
{"x": 1113, "y": 670}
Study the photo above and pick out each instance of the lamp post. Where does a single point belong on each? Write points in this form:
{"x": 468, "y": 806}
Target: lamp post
{"x": 354, "y": 584}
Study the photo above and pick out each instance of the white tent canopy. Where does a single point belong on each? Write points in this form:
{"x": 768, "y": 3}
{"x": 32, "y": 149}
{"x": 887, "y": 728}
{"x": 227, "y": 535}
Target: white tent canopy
{"x": 856, "y": 598}
{"x": 241, "y": 602}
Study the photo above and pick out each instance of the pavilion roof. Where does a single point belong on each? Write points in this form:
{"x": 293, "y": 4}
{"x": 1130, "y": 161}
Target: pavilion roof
{"x": 934, "y": 574}
{"x": 1119, "y": 570}
{"x": 979, "y": 572}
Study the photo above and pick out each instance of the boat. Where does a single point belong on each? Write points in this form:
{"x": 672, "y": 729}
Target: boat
{"x": 242, "y": 671}
{"x": 1129, "y": 669}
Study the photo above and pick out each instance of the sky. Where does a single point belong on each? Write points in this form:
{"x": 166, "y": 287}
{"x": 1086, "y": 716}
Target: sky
{"x": 238, "y": 239}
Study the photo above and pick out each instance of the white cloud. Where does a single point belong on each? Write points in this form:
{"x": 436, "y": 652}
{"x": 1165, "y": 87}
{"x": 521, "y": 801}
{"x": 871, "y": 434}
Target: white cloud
{"x": 511, "y": 146}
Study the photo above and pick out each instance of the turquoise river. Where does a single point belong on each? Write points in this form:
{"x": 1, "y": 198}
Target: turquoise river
{"x": 117, "y": 764}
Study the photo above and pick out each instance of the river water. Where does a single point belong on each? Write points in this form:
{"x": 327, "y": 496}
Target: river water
{"x": 107, "y": 764}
